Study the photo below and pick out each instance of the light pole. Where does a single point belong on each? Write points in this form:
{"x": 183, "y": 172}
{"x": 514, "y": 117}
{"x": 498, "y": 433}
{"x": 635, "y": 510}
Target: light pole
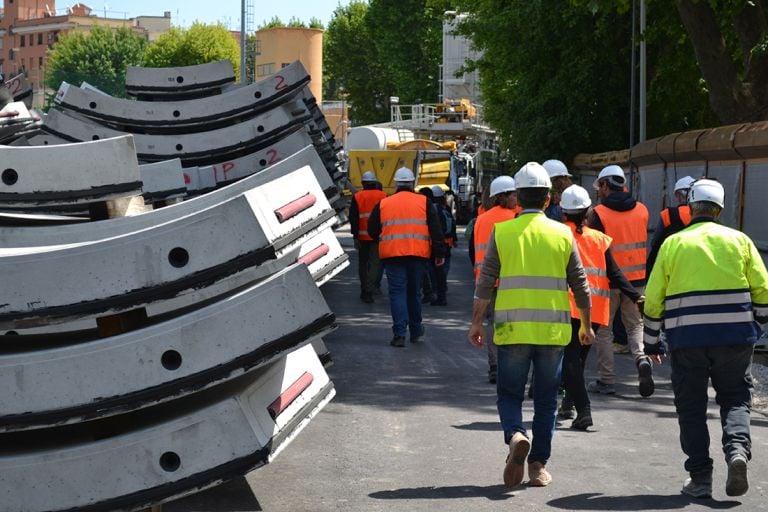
{"x": 243, "y": 43}
{"x": 643, "y": 95}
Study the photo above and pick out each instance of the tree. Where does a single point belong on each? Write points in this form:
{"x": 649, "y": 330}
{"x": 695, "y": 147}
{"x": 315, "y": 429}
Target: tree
{"x": 99, "y": 57}
{"x": 198, "y": 44}
{"x": 275, "y": 22}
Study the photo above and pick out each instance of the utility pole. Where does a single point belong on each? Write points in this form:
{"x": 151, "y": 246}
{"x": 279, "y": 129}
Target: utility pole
{"x": 643, "y": 95}
{"x": 633, "y": 77}
{"x": 243, "y": 43}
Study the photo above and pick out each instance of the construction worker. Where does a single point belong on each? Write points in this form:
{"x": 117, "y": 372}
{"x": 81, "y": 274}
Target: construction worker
{"x": 625, "y": 220}
{"x": 409, "y": 233}
{"x": 368, "y": 249}
{"x": 709, "y": 288}
{"x": 502, "y": 193}
{"x": 561, "y": 179}
{"x": 448, "y": 224}
{"x": 602, "y": 271}
{"x": 671, "y": 220}
{"x": 535, "y": 260}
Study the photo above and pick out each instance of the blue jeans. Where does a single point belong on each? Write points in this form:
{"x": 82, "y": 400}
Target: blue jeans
{"x": 514, "y": 362}
{"x": 729, "y": 367}
{"x": 404, "y": 276}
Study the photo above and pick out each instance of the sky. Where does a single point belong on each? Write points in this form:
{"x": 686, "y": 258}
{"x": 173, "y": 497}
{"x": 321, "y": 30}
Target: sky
{"x": 185, "y": 12}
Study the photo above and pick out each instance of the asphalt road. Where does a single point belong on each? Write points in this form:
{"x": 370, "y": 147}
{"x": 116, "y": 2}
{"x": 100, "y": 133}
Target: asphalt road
{"x": 416, "y": 429}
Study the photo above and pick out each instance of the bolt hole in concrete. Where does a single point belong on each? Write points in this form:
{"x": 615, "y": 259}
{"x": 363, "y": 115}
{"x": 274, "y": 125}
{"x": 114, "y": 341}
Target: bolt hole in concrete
{"x": 171, "y": 360}
{"x": 10, "y": 177}
{"x": 260, "y": 129}
{"x": 179, "y": 79}
{"x": 170, "y": 461}
{"x": 179, "y": 147}
{"x": 257, "y": 95}
{"x": 95, "y": 137}
{"x": 178, "y": 257}
{"x": 176, "y": 113}
{"x": 263, "y": 162}
{"x": 92, "y": 104}
{"x": 11, "y": 333}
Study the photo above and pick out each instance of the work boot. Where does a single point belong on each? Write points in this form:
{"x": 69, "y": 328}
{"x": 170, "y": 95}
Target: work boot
{"x": 398, "y": 341}
{"x": 366, "y": 297}
{"x": 583, "y": 420}
{"x": 519, "y": 446}
{"x": 538, "y": 476}
{"x": 737, "y": 483}
{"x": 698, "y": 486}
{"x": 645, "y": 376}
{"x": 602, "y": 388}
{"x": 492, "y": 374}
{"x": 416, "y": 337}
{"x": 428, "y": 297}
{"x": 566, "y": 411}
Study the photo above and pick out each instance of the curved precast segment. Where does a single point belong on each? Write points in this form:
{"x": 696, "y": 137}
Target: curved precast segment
{"x": 158, "y": 262}
{"x": 167, "y": 360}
{"x": 70, "y": 173}
{"x": 193, "y": 148}
{"x": 304, "y": 162}
{"x": 162, "y": 180}
{"x": 181, "y": 78}
{"x": 241, "y": 102}
{"x": 170, "y": 451}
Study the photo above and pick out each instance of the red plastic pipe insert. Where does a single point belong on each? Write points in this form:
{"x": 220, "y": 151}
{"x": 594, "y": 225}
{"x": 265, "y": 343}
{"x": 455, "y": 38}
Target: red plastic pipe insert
{"x": 314, "y": 255}
{"x": 288, "y": 396}
{"x": 295, "y": 207}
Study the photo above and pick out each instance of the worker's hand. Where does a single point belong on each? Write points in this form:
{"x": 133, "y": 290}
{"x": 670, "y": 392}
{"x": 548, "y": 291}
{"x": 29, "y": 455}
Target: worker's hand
{"x": 439, "y": 262}
{"x": 476, "y": 334}
{"x": 586, "y": 334}
{"x": 357, "y": 244}
{"x": 657, "y": 358}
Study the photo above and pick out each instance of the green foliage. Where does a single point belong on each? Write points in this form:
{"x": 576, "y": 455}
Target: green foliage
{"x": 315, "y": 23}
{"x": 275, "y": 22}
{"x": 295, "y": 22}
{"x": 99, "y": 57}
{"x": 198, "y": 44}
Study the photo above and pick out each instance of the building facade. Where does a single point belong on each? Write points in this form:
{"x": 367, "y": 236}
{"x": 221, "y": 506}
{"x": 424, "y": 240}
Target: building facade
{"x": 29, "y": 28}
{"x": 279, "y": 46}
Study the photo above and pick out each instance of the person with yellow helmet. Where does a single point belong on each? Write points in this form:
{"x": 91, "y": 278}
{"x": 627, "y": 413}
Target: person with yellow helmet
{"x": 709, "y": 289}
{"x": 535, "y": 261}
{"x": 368, "y": 249}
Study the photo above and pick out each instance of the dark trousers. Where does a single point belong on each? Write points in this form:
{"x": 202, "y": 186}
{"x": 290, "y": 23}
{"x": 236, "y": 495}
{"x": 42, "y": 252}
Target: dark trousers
{"x": 368, "y": 265}
{"x": 439, "y": 275}
{"x": 574, "y": 360}
{"x": 729, "y": 367}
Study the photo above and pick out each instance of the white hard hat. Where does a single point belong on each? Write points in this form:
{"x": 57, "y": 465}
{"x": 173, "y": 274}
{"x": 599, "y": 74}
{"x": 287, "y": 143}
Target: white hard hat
{"x": 369, "y": 176}
{"x": 404, "y": 175}
{"x": 556, "y": 168}
{"x": 707, "y": 190}
{"x": 532, "y": 175}
{"x": 614, "y": 174}
{"x": 437, "y": 191}
{"x": 574, "y": 199}
{"x": 684, "y": 183}
{"x": 502, "y": 184}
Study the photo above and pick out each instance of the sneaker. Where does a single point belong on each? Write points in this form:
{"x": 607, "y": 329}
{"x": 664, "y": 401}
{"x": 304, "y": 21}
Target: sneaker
{"x": 700, "y": 488}
{"x": 398, "y": 341}
{"x": 619, "y": 348}
{"x": 519, "y": 446}
{"x": 492, "y": 375}
{"x": 583, "y": 420}
{"x": 538, "y": 476}
{"x": 737, "y": 483}
{"x": 566, "y": 412}
{"x": 645, "y": 376}
{"x": 602, "y": 388}
{"x": 415, "y": 338}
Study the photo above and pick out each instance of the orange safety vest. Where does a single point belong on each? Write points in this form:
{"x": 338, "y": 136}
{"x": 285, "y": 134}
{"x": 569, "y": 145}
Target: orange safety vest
{"x": 592, "y": 245}
{"x": 680, "y": 215}
{"x": 482, "y": 233}
{"x": 404, "y": 228}
{"x": 629, "y": 230}
{"x": 480, "y": 210}
{"x": 366, "y": 200}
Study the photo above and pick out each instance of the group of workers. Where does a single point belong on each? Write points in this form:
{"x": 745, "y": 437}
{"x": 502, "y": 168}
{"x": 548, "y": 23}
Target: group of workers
{"x": 552, "y": 271}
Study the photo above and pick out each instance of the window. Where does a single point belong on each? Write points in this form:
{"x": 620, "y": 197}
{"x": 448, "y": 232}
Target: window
{"x": 265, "y": 69}
{"x": 285, "y": 65}
{"x": 257, "y": 48}
{"x": 39, "y": 62}
{"x": 23, "y": 40}
{"x": 31, "y": 39}
{"x": 39, "y": 38}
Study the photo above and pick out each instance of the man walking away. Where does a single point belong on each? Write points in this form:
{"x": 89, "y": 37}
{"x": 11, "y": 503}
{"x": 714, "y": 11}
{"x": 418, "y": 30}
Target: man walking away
{"x": 561, "y": 179}
{"x": 408, "y": 231}
{"x": 448, "y": 225}
{"x": 625, "y": 220}
{"x": 535, "y": 260}
{"x": 368, "y": 249}
{"x": 709, "y": 288}
{"x": 671, "y": 220}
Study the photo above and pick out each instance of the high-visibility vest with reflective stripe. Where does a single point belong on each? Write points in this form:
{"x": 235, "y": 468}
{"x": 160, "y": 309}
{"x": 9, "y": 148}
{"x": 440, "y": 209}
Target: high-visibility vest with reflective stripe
{"x": 482, "y": 234}
{"x": 709, "y": 284}
{"x": 404, "y": 228}
{"x": 629, "y": 231}
{"x": 366, "y": 200}
{"x": 532, "y": 304}
{"x": 592, "y": 245}
{"x": 679, "y": 215}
